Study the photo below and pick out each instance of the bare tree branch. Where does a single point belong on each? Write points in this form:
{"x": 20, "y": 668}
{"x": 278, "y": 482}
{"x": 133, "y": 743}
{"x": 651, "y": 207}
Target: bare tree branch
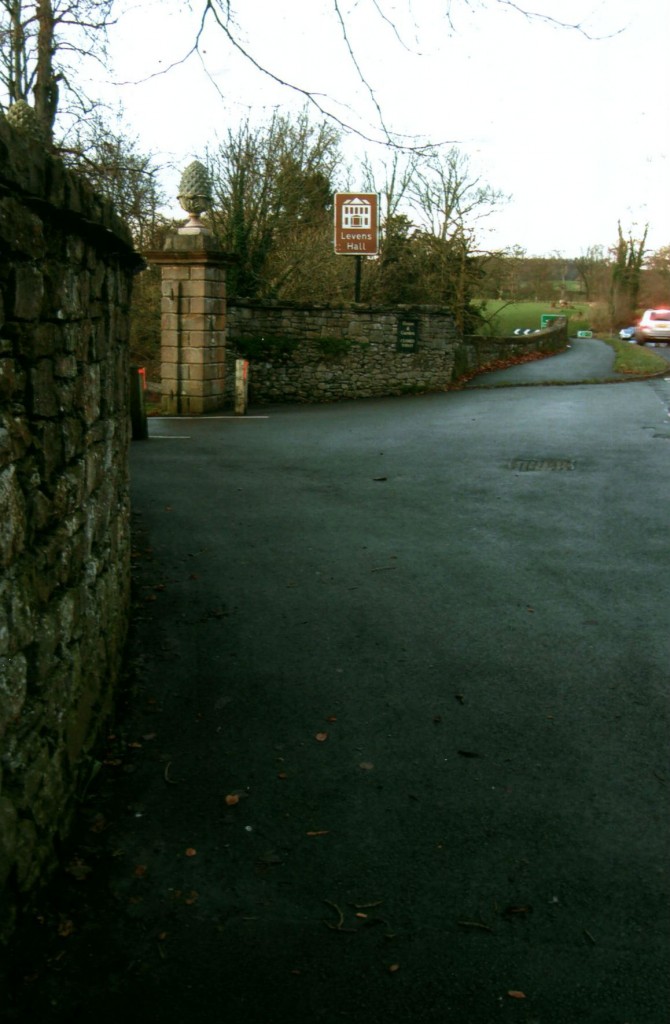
{"x": 371, "y": 92}
{"x": 314, "y": 98}
{"x": 532, "y": 16}
{"x": 392, "y": 25}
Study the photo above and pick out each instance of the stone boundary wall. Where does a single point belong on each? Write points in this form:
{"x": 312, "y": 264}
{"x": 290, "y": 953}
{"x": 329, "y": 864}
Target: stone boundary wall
{"x": 327, "y": 353}
{"x": 66, "y": 267}
{"x": 476, "y": 353}
{"x": 300, "y": 353}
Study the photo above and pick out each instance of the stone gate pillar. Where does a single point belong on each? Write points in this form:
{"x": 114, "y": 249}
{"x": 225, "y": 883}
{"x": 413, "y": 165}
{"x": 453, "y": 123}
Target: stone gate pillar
{"x": 193, "y": 309}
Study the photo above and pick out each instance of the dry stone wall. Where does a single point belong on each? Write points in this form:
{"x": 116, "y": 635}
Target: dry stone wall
{"x": 66, "y": 266}
{"x": 324, "y": 353}
{"x": 476, "y": 353}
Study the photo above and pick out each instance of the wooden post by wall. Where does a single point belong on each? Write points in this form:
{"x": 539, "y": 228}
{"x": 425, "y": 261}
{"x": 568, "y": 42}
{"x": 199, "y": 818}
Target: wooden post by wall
{"x": 193, "y": 323}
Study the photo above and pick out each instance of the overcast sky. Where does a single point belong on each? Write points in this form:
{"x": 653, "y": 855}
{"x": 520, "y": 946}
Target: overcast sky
{"x": 575, "y": 129}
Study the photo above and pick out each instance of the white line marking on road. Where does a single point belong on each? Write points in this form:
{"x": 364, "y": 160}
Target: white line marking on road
{"x": 204, "y": 419}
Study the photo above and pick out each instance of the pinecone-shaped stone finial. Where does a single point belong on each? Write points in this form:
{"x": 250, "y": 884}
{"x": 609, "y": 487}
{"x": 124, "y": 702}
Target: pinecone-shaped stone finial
{"x": 24, "y": 119}
{"x": 195, "y": 195}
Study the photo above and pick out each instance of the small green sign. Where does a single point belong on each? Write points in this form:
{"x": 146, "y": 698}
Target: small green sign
{"x": 408, "y": 331}
{"x": 584, "y": 334}
{"x": 547, "y": 318}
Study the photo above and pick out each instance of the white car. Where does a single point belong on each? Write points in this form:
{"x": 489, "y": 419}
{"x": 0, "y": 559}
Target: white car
{"x": 654, "y": 325}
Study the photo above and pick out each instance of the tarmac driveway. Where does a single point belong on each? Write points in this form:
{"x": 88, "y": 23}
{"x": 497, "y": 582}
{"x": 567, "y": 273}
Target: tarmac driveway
{"x": 587, "y": 360}
{"x": 394, "y": 748}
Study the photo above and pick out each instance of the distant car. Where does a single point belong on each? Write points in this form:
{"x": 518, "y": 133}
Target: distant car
{"x": 654, "y": 325}
{"x": 627, "y": 333}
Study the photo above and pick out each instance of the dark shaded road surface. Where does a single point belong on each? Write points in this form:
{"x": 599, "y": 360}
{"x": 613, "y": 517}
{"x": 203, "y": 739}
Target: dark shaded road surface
{"x": 586, "y": 360}
{"x": 394, "y": 747}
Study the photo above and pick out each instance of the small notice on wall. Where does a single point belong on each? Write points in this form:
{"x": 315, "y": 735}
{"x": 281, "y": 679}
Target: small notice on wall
{"x": 408, "y": 332}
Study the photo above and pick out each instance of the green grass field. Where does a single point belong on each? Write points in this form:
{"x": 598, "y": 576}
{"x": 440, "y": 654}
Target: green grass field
{"x": 635, "y": 359}
{"x": 507, "y": 317}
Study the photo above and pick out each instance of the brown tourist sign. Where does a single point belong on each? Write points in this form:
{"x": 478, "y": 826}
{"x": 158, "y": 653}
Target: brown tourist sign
{"x": 356, "y": 223}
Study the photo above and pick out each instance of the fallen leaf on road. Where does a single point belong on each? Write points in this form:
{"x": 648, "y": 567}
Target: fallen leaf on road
{"x": 393, "y": 968}
{"x": 517, "y": 911}
{"x": 367, "y": 766}
{"x": 321, "y": 737}
{"x": 190, "y": 852}
{"x": 78, "y": 869}
{"x": 318, "y": 832}
{"x": 140, "y": 870}
{"x": 339, "y": 927}
{"x": 232, "y": 799}
{"x": 271, "y": 858}
{"x": 515, "y": 994}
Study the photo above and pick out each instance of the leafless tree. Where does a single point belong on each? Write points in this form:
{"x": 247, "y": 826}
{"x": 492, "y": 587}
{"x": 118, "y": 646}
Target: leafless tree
{"x": 42, "y": 46}
{"x": 628, "y": 259}
{"x": 592, "y": 268}
{"x": 448, "y": 197}
{"x": 655, "y": 290}
{"x": 105, "y": 153}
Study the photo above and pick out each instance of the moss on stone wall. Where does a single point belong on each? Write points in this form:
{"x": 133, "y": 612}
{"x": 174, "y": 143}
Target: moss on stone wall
{"x": 263, "y": 349}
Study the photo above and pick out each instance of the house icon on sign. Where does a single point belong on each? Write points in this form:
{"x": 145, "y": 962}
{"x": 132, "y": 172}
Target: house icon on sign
{"x": 357, "y": 213}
